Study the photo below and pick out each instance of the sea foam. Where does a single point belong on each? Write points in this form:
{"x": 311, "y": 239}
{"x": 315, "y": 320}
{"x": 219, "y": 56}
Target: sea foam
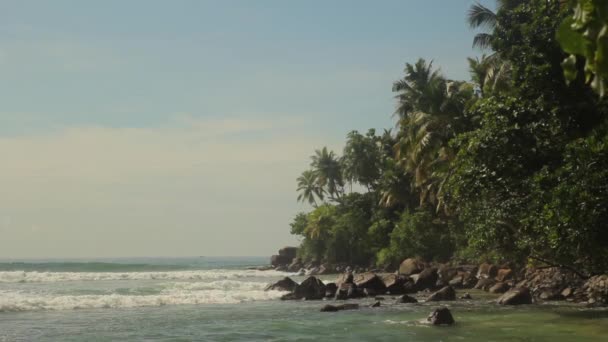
{"x": 208, "y": 275}
{"x": 177, "y": 293}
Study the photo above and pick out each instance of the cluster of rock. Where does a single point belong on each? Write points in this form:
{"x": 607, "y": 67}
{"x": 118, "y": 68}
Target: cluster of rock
{"x": 415, "y": 275}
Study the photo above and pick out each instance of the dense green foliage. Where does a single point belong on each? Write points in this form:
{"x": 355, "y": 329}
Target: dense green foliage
{"x": 511, "y": 165}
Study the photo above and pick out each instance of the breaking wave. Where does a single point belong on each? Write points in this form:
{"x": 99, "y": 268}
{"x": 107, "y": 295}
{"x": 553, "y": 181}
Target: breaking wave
{"x": 209, "y": 275}
{"x": 217, "y": 292}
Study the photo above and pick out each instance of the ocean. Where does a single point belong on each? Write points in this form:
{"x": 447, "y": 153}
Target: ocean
{"x": 222, "y": 299}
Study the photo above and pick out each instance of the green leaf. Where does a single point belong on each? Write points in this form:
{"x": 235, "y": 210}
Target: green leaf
{"x": 571, "y": 41}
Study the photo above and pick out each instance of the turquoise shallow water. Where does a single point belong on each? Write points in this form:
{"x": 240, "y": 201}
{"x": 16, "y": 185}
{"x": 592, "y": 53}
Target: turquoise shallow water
{"x": 218, "y": 300}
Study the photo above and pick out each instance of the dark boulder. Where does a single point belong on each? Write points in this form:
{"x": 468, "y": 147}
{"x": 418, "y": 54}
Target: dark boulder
{"x": 341, "y": 307}
{"x": 394, "y": 283}
{"x": 499, "y": 288}
{"x": 516, "y": 296}
{"x": 285, "y": 284}
{"x": 446, "y": 293}
{"x": 411, "y": 266}
{"x": 370, "y": 281}
{"x": 446, "y": 274}
{"x": 278, "y": 260}
{"x": 441, "y": 316}
{"x": 295, "y": 265}
{"x": 426, "y": 279}
{"x": 404, "y": 299}
{"x": 330, "y": 290}
{"x": 375, "y": 305}
{"x": 311, "y": 288}
{"x": 288, "y": 252}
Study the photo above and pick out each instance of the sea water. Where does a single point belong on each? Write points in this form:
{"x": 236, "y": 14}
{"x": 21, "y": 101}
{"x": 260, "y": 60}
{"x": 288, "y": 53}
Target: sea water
{"x": 222, "y": 299}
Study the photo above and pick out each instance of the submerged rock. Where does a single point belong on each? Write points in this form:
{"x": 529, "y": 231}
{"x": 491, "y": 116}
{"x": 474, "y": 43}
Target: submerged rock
{"x": 341, "y": 307}
{"x": 441, "y": 316}
{"x": 516, "y": 296}
{"x": 285, "y": 284}
{"x": 375, "y": 305}
{"x": 406, "y": 299}
{"x": 466, "y": 296}
{"x": 446, "y": 293}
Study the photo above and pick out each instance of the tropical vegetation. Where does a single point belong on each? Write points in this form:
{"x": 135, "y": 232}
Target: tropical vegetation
{"x": 511, "y": 164}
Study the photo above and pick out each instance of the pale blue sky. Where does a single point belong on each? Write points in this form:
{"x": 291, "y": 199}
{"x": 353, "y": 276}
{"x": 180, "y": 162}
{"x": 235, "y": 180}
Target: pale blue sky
{"x": 133, "y": 128}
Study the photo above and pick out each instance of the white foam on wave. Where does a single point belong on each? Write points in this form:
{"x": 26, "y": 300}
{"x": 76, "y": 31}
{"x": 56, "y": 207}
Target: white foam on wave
{"x": 178, "y": 293}
{"x": 209, "y": 275}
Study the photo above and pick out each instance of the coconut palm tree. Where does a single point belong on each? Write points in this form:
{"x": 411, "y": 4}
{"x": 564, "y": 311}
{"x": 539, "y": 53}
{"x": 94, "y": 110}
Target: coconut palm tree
{"x": 309, "y": 188}
{"x": 482, "y": 17}
{"x": 428, "y": 108}
{"x": 328, "y": 171}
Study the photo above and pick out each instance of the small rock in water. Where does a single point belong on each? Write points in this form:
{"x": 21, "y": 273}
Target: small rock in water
{"x": 334, "y": 308}
{"x": 441, "y": 316}
{"x": 446, "y": 293}
{"x": 466, "y": 296}
{"x": 517, "y": 296}
{"x": 375, "y": 305}
{"x": 406, "y": 299}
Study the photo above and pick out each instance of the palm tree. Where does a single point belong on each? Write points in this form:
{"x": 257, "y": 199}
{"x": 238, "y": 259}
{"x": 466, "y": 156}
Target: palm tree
{"x": 422, "y": 88}
{"x": 428, "y": 107}
{"x": 480, "y": 16}
{"x": 309, "y": 188}
{"x": 328, "y": 171}
{"x": 490, "y": 74}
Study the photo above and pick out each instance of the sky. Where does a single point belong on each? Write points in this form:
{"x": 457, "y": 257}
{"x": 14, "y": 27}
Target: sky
{"x": 178, "y": 128}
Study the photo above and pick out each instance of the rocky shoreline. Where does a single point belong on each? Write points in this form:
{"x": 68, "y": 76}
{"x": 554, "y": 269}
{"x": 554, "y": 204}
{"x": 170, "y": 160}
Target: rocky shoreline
{"x": 438, "y": 282}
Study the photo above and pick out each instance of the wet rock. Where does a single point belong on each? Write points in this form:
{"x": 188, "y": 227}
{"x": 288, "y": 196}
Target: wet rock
{"x": 346, "y": 277}
{"x": 446, "y": 293}
{"x": 404, "y": 299}
{"x": 596, "y": 290}
{"x": 371, "y": 282}
{"x": 347, "y": 291}
{"x": 426, "y": 279}
{"x": 484, "y": 284}
{"x": 411, "y": 266}
{"x": 567, "y": 292}
{"x": 295, "y": 265}
{"x": 446, "y": 274}
{"x": 375, "y": 305}
{"x": 550, "y": 295}
{"x": 341, "y": 307}
{"x": 285, "y": 284}
{"x": 289, "y": 296}
{"x": 469, "y": 280}
{"x": 551, "y": 281}
{"x": 311, "y": 288}
{"x": 516, "y": 296}
{"x": 466, "y": 296}
{"x": 278, "y": 260}
{"x": 441, "y": 316}
{"x": 487, "y": 271}
{"x": 330, "y": 290}
{"x": 394, "y": 283}
{"x": 499, "y": 288}
{"x": 504, "y": 274}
